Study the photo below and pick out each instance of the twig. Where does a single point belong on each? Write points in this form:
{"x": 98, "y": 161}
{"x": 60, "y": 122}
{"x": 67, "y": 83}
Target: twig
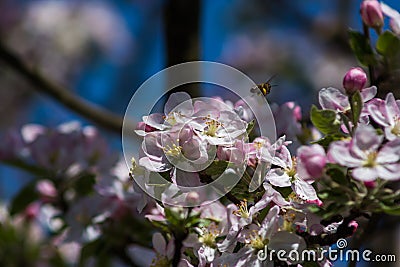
{"x": 98, "y": 115}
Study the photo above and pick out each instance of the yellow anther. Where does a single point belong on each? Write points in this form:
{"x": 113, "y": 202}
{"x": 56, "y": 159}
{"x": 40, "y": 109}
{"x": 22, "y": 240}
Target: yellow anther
{"x": 242, "y": 211}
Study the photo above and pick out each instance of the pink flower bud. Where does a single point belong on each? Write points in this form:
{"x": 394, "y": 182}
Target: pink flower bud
{"x": 318, "y": 202}
{"x": 193, "y": 197}
{"x": 371, "y": 13}
{"x": 312, "y": 161}
{"x": 370, "y": 184}
{"x": 46, "y": 190}
{"x": 354, "y": 225}
{"x": 354, "y": 80}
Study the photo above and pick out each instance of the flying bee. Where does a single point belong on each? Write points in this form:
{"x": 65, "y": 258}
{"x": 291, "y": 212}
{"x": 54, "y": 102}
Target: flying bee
{"x": 263, "y": 88}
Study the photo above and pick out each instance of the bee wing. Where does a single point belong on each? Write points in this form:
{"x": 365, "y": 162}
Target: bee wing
{"x": 270, "y": 79}
{"x": 255, "y": 90}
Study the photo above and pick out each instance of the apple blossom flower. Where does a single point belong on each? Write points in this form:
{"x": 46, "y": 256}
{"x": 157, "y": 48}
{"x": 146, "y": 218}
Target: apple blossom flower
{"x": 371, "y": 13}
{"x": 177, "y": 110}
{"x": 334, "y": 99}
{"x": 163, "y": 150}
{"x": 387, "y": 114}
{"x": 354, "y": 80}
{"x": 222, "y": 128}
{"x": 366, "y": 156}
{"x": 286, "y": 175}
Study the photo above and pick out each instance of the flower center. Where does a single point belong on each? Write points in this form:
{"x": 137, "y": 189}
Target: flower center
{"x": 292, "y": 171}
{"x": 171, "y": 118}
{"x": 371, "y": 159}
{"x": 212, "y": 126}
{"x": 160, "y": 261}
{"x": 209, "y": 236}
{"x": 396, "y": 127}
{"x": 257, "y": 242}
{"x": 173, "y": 151}
{"x": 258, "y": 145}
{"x": 242, "y": 211}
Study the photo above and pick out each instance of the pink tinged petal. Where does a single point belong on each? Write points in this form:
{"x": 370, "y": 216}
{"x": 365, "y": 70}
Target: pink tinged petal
{"x": 155, "y": 120}
{"x": 390, "y": 152}
{"x": 394, "y": 17}
{"x": 278, "y": 177}
{"x": 170, "y": 250}
{"x": 230, "y": 240}
{"x": 288, "y": 242}
{"x": 389, "y": 133}
{"x": 151, "y": 145}
{"x": 270, "y": 225}
{"x": 153, "y": 165}
{"x": 304, "y": 190}
{"x": 186, "y": 179}
{"x": 377, "y": 115}
{"x": 159, "y": 243}
{"x": 391, "y": 108}
{"x": 368, "y": 93}
{"x": 179, "y": 101}
{"x": 261, "y": 204}
{"x": 389, "y": 171}
{"x": 366, "y": 138}
{"x": 339, "y": 153}
{"x": 365, "y": 174}
{"x": 332, "y": 98}
{"x": 277, "y": 198}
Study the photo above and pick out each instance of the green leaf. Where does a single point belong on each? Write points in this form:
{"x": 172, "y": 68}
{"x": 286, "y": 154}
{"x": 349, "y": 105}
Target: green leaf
{"x": 328, "y": 139}
{"x": 388, "y": 44}
{"x": 217, "y": 167}
{"x": 250, "y": 127}
{"x": 24, "y": 197}
{"x": 392, "y": 210}
{"x": 337, "y": 174}
{"x": 361, "y": 48}
{"x": 356, "y": 106}
{"x": 325, "y": 120}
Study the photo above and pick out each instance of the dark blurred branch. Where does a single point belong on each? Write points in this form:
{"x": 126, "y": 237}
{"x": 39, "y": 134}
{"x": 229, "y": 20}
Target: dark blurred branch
{"x": 98, "y": 115}
{"x": 182, "y": 24}
{"x": 182, "y": 27}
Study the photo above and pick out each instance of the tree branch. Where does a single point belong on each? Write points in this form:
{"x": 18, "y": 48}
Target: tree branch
{"x": 98, "y": 115}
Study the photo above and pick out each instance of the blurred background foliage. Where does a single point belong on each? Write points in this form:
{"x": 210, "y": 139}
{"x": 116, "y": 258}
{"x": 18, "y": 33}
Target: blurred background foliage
{"x": 104, "y": 50}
